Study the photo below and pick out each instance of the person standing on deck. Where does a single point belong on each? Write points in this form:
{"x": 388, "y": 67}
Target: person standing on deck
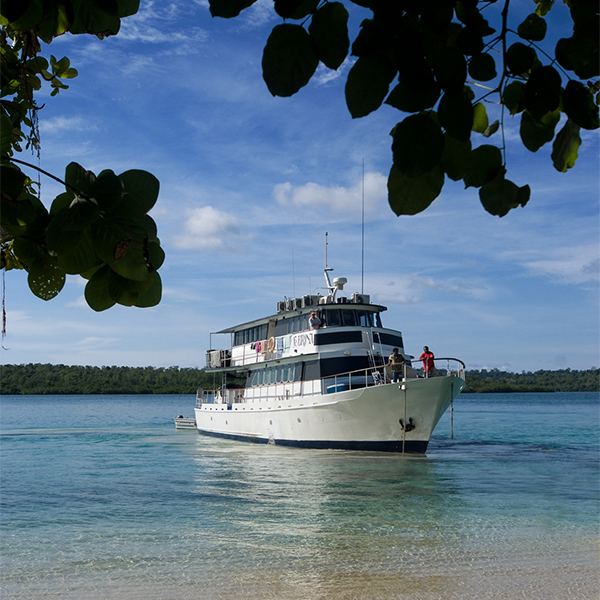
{"x": 397, "y": 363}
{"x": 314, "y": 322}
{"x": 428, "y": 362}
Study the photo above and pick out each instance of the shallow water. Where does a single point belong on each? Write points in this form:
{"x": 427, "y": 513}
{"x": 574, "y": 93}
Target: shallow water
{"x": 102, "y": 498}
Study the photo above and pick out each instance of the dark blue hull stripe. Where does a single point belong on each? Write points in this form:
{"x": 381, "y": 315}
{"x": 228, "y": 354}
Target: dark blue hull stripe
{"x": 410, "y": 446}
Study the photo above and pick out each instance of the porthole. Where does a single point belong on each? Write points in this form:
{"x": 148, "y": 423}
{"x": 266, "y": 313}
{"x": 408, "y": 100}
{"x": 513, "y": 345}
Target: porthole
{"x": 299, "y": 421}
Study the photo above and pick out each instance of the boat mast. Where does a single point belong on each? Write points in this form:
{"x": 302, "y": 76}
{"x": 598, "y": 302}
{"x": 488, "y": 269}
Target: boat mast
{"x": 330, "y": 288}
{"x": 338, "y": 282}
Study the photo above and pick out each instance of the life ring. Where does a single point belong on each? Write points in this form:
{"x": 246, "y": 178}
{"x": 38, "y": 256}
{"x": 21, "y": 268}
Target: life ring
{"x": 271, "y": 344}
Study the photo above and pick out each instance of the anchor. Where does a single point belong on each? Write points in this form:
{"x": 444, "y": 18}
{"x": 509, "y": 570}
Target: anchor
{"x": 409, "y": 426}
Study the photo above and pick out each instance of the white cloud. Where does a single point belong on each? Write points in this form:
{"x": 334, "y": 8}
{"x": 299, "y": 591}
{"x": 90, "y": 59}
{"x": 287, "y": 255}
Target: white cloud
{"x": 64, "y": 124}
{"x": 78, "y": 302}
{"x": 576, "y": 265}
{"x": 208, "y": 228}
{"x": 324, "y": 75}
{"x": 337, "y": 199}
{"x": 411, "y": 289}
{"x": 142, "y": 27}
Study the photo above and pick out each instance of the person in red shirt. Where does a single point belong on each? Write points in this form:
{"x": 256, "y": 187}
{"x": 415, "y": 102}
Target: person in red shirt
{"x": 428, "y": 362}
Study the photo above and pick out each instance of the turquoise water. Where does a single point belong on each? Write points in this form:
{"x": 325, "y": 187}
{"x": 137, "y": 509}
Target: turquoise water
{"x": 102, "y": 498}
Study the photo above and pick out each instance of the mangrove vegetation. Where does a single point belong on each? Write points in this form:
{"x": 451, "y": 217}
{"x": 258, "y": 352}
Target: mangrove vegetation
{"x": 63, "y": 379}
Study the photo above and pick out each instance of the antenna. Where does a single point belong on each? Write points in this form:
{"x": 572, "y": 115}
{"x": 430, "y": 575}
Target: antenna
{"x": 293, "y": 276}
{"x": 362, "y": 289}
{"x": 326, "y": 234}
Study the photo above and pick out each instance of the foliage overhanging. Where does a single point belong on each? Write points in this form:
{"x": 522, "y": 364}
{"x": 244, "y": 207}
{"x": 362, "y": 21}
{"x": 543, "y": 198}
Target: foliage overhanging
{"x": 98, "y": 227}
{"x": 445, "y": 62}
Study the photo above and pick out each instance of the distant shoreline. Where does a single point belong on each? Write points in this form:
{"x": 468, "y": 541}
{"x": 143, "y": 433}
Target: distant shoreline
{"x": 47, "y": 379}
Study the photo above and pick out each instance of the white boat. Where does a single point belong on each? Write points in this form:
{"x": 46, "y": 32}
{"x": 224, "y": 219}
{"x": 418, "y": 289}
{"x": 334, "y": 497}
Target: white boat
{"x": 327, "y": 387}
{"x": 182, "y": 422}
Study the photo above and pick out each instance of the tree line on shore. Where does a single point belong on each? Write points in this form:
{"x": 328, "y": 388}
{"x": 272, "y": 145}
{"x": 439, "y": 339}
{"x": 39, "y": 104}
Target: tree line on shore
{"x": 63, "y": 379}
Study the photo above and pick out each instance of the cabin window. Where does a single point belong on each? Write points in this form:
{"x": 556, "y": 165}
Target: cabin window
{"x": 333, "y": 318}
{"x": 348, "y": 318}
{"x": 303, "y": 322}
{"x": 378, "y": 321}
{"x": 278, "y": 375}
{"x": 365, "y": 319}
{"x": 285, "y": 373}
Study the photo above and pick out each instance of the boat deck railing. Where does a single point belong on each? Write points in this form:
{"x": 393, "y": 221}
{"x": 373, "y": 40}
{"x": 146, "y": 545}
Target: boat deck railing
{"x": 351, "y": 380}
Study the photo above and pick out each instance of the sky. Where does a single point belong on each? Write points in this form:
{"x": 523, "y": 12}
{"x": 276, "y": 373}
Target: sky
{"x": 251, "y": 184}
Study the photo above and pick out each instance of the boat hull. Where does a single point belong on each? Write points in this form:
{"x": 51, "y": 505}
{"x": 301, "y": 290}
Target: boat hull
{"x": 371, "y": 418}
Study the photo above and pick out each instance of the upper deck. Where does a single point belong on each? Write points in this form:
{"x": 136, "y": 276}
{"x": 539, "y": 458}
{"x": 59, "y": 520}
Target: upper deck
{"x": 350, "y": 325}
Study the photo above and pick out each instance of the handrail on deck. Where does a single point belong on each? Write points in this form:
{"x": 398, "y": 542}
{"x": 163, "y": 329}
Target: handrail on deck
{"x": 359, "y": 378}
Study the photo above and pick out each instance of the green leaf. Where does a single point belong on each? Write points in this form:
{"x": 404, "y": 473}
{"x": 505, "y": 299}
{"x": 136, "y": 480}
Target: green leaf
{"x": 535, "y": 132}
{"x": 543, "y": 7}
{"x": 152, "y": 296}
{"x": 295, "y": 9}
{"x": 126, "y": 8}
{"x": 135, "y": 263}
{"x": 26, "y": 250}
{"x": 61, "y": 240}
{"x": 418, "y": 145}
{"x": 468, "y": 12}
{"x": 412, "y": 195}
{"x": 579, "y": 54}
{"x": 121, "y": 244}
{"x": 329, "y": 31}
{"x": 60, "y": 203}
{"x": 501, "y": 195}
{"x": 80, "y": 179}
{"x": 450, "y": 68}
{"x": 82, "y": 258}
{"x": 565, "y": 147}
{"x": 46, "y": 279}
{"x": 482, "y": 67}
{"x": 80, "y": 213}
{"x": 469, "y": 41}
{"x": 414, "y": 98}
{"x": 146, "y": 222}
{"x": 480, "y": 118}
{"x": 98, "y": 18}
{"x": 368, "y": 83}
{"x": 25, "y": 215}
{"x": 520, "y": 58}
{"x": 13, "y": 181}
{"x": 533, "y": 28}
{"x": 128, "y": 285}
{"x": 512, "y": 97}
{"x": 456, "y": 157}
{"x": 542, "y": 91}
{"x": 371, "y": 39}
{"x": 22, "y": 16}
{"x": 228, "y": 8}
{"x": 156, "y": 255}
{"x": 484, "y": 165}
{"x": 140, "y": 193}
{"x": 455, "y": 113}
{"x": 107, "y": 190}
{"x": 290, "y": 59}
{"x": 5, "y": 135}
{"x": 96, "y": 290}
{"x": 491, "y": 129}
{"x": 578, "y": 105}
{"x": 118, "y": 293}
